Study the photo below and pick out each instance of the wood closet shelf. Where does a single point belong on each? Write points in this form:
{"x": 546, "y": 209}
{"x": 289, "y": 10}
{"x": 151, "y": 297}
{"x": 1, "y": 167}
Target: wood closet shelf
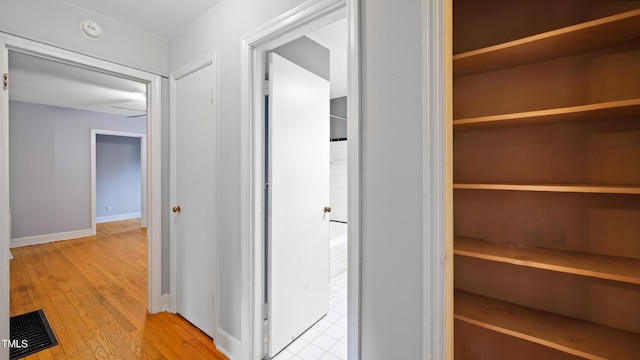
{"x": 592, "y": 35}
{"x": 597, "y": 266}
{"x": 565, "y": 334}
{"x": 566, "y": 188}
{"x": 591, "y": 112}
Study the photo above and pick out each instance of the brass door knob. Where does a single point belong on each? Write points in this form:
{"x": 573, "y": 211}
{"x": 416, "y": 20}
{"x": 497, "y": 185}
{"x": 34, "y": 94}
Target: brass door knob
{"x": 327, "y": 209}
{"x": 176, "y": 209}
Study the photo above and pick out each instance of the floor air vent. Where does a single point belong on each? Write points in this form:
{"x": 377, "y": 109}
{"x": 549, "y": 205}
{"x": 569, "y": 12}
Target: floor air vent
{"x": 30, "y": 333}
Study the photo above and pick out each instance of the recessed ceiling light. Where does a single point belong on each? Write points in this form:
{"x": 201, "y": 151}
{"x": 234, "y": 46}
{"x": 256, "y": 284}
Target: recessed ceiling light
{"x": 91, "y": 29}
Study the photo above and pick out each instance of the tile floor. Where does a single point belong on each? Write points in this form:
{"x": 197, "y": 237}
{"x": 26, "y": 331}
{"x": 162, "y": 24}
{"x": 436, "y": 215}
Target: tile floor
{"x": 327, "y": 339}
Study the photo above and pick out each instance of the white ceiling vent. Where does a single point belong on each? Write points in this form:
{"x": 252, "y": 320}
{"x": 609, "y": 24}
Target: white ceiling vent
{"x": 91, "y": 29}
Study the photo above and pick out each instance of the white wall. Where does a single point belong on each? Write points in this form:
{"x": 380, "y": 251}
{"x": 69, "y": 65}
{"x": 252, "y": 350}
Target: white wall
{"x": 49, "y": 166}
{"x": 58, "y": 23}
{"x": 392, "y": 180}
{"x": 392, "y": 185}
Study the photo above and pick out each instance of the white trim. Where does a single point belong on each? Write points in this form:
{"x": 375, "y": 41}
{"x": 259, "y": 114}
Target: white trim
{"x": 143, "y": 178}
{"x": 307, "y": 17}
{"x": 354, "y": 171}
{"x": 104, "y": 219}
{"x": 228, "y": 344}
{"x": 154, "y": 236}
{"x": 48, "y": 238}
{"x": 5, "y": 212}
{"x": 154, "y": 195}
{"x": 210, "y": 58}
{"x": 437, "y": 257}
{"x": 166, "y": 302}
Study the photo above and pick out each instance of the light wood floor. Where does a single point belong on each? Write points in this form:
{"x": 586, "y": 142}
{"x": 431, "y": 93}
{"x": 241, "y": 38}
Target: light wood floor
{"x": 93, "y": 291}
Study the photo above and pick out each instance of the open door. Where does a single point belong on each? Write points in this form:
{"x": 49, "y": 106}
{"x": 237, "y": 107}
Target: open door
{"x": 298, "y": 219}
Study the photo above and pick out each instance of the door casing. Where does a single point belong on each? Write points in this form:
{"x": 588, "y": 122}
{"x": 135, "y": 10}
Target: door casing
{"x": 295, "y": 23}
{"x": 154, "y": 194}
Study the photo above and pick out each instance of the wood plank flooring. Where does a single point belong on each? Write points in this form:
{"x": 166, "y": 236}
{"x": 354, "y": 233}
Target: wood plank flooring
{"x": 93, "y": 291}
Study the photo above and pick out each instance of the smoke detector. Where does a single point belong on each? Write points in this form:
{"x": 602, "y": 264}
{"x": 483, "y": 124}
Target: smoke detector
{"x": 91, "y": 29}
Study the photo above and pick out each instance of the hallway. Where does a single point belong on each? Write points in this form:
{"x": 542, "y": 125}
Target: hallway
{"x": 93, "y": 292}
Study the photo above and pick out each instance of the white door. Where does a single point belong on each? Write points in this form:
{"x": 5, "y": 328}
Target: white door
{"x": 193, "y": 202}
{"x": 298, "y": 226}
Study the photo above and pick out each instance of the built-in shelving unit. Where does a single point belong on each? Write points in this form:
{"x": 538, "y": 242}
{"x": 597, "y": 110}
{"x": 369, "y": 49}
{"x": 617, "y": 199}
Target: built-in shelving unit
{"x": 592, "y": 35}
{"x": 562, "y": 333}
{"x": 546, "y": 179}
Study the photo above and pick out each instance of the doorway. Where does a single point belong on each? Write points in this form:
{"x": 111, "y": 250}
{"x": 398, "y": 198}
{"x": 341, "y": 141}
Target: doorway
{"x": 292, "y": 25}
{"x": 306, "y": 196}
{"x": 132, "y": 177}
{"x": 138, "y": 174}
{"x": 9, "y": 44}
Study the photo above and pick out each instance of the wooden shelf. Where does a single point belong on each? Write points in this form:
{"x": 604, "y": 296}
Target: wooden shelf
{"x": 592, "y": 35}
{"x": 565, "y": 334}
{"x": 591, "y": 112}
{"x": 566, "y": 188}
{"x": 598, "y": 266}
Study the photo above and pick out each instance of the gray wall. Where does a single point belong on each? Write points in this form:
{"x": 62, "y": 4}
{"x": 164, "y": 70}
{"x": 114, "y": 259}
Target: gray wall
{"x": 308, "y": 54}
{"x": 118, "y": 181}
{"x": 49, "y": 165}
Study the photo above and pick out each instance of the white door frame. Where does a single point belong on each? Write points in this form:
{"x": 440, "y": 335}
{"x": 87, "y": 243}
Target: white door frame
{"x": 195, "y": 65}
{"x": 143, "y": 172}
{"x": 299, "y": 21}
{"x": 154, "y": 245}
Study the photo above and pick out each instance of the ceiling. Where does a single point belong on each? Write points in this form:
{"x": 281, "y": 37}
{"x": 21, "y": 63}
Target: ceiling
{"x": 163, "y": 18}
{"x": 42, "y": 81}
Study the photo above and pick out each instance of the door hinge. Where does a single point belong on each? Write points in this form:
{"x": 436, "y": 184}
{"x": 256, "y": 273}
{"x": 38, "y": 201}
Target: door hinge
{"x": 266, "y": 186}
{"x": 6, "y": 81}
{"x": 211, "y": 95}
{"x": 266, "y": 87}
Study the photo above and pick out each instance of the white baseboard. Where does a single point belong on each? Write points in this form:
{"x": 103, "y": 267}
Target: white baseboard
{"x": 166, "y": 302}
{"x": 103, "y": 219}
{"x": 47, "y": 238}
{"x": 229, "y": 345}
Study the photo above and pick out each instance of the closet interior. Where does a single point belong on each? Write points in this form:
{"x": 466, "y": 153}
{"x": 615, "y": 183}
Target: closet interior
{"x": 546, "y": 179}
